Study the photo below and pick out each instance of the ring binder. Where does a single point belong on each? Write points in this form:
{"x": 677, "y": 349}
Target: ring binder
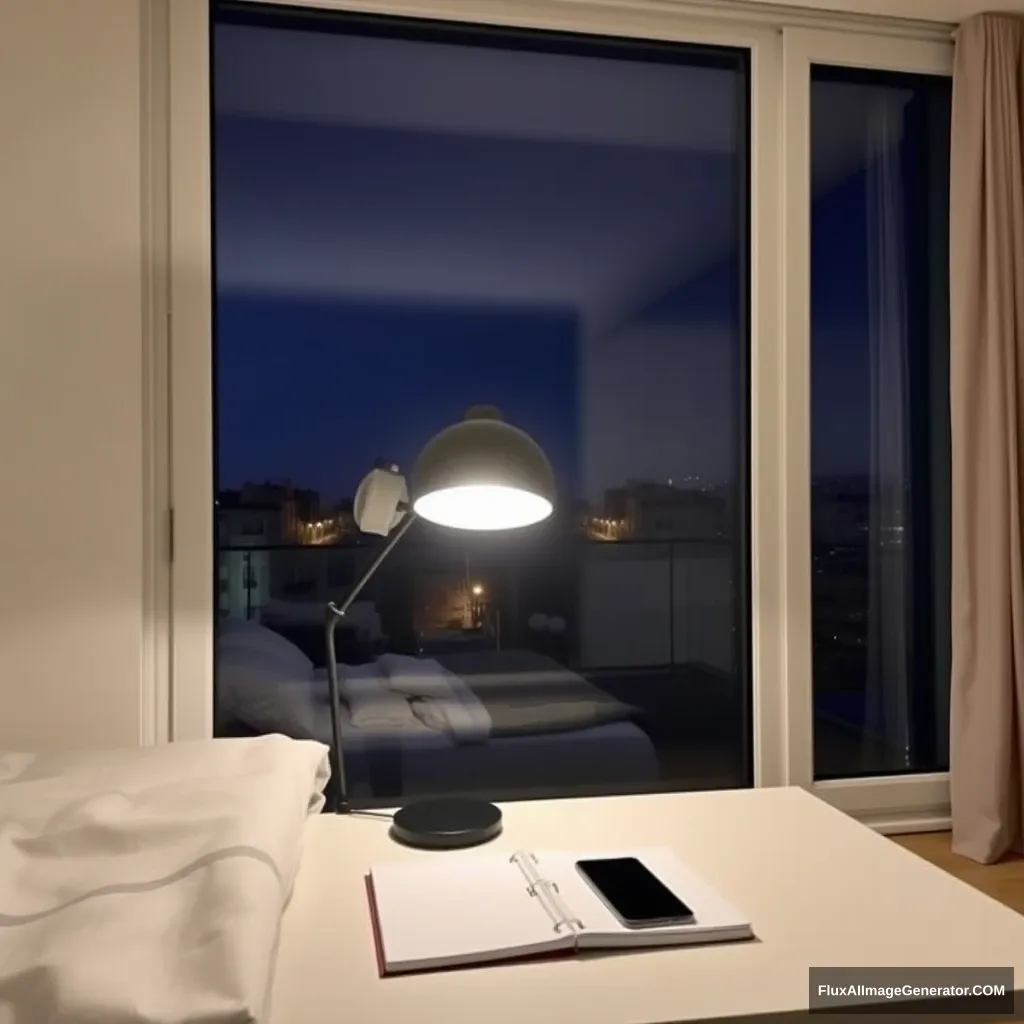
{"x": 546, "y": 892}
{"x": 503, "y": 906}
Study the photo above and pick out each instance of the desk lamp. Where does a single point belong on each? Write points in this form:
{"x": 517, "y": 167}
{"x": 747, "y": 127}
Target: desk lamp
{"x": 480, "y": 474}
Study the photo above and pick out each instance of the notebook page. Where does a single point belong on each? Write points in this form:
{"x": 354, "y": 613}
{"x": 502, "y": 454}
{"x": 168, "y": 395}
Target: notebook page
{"x": 715, "y": 919}
{"x": 458, "y": 910}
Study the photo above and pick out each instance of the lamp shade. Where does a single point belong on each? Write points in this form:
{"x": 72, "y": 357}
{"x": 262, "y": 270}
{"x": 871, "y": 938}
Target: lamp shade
{"x": 483, "y": 474}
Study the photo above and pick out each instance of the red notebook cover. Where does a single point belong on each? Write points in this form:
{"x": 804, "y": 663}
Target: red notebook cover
{"x": 378, "y": 945}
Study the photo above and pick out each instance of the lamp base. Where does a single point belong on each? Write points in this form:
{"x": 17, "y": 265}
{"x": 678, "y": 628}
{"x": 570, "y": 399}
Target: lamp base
{"x": 450, "y": 824}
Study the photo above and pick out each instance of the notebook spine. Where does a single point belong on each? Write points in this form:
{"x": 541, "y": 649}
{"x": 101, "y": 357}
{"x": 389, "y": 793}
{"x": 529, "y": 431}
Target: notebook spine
{"x": 545, "y": 891}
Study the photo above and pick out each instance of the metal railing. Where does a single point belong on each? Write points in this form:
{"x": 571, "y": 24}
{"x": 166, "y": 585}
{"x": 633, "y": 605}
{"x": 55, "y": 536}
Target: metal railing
{"x": 665, "y": 601}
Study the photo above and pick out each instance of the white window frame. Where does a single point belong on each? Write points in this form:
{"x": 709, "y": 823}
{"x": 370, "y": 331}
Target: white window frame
{"x": 779, "y": 421}
{"x": 193, "y": 582}
{"x": 891, "y": 803}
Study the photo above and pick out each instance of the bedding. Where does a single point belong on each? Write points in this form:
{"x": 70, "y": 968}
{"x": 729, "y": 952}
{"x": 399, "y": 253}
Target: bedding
{"x": 363, "y": 692}
{"x": 497, "y": 694}
{"x": 423, "y": 762}
{"x": 147, "y": 886}
{"x": 268, "y": 684}
{"x": 437, "y": 697}
{"x": 371, "y": 704}
{"x": 525, "y": 693}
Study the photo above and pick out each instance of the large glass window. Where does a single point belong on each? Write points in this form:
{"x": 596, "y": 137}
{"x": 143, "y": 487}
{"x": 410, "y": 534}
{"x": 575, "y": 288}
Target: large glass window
{"x": 879, "y": 421}
{"x": 411, "y": 219}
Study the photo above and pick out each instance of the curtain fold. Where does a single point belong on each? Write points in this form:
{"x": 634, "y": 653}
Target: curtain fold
{"x": 987, "y": 423}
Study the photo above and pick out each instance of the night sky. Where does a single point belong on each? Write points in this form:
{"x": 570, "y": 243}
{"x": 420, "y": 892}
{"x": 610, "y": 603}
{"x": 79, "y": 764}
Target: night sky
{"x": 314, "y": 384}
{"x": 356, "y": 381}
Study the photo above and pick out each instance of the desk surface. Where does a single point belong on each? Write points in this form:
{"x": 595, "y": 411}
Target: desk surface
{"x": 819, "y": 888}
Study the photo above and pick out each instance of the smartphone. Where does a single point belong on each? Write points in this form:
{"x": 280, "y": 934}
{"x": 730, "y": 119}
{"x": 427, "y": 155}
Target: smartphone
{"x": 633, "y": 893}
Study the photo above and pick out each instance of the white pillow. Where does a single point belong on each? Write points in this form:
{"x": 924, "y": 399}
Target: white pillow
{"x": 381, "y": 709}
{"x": 416, "y": 677}
{"x": 265, "y": 692}
{"x": 353, "y": 681}
{"x": 367, "y": 693}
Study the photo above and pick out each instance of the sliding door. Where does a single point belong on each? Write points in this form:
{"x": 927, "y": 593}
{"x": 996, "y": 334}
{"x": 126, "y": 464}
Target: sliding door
{"x": 867, "y": 152}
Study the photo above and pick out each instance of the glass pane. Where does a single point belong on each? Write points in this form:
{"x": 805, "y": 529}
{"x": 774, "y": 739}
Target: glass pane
{"x": 411, "y": 220}
{"x": 880, "y": 421}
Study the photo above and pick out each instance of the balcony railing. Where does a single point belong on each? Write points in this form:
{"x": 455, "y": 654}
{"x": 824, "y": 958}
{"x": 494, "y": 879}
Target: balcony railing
{"x": 599, "y": 605}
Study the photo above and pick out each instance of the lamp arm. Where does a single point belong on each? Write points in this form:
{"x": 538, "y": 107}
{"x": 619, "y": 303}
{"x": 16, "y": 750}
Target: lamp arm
{"x": 333, "y": 614}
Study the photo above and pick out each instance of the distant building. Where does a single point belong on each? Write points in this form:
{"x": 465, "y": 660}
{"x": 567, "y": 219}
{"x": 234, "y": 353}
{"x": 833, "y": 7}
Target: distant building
{"x": 616, "y": 500}
{"x": 289, "y": 502}
{"x": 645, "y": 510}
{"x": 243, "y": 533}
{"x": 682, "y": 515}
{"x": 308, "y": 505}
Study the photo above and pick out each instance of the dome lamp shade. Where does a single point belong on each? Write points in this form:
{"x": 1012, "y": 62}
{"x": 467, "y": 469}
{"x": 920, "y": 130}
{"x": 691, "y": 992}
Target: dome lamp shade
{"x": 483, "y": 474}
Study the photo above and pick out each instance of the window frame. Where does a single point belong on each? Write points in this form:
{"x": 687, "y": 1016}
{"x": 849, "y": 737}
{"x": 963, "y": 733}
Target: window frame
{"x": 889, "y": 802}
{"x": 778, "y": 416}
{"x": 195, "y": 601}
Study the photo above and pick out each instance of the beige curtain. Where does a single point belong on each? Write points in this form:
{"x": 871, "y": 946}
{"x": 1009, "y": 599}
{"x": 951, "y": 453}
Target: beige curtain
{"x": 987, "y": 405}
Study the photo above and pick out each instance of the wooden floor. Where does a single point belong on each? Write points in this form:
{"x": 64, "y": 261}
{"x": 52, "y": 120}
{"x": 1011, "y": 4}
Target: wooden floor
{"x": 1003, "y": 881}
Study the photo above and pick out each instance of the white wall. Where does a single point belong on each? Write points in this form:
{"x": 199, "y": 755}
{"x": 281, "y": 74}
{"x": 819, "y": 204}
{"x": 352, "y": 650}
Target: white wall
{"x": 71, "y": 374}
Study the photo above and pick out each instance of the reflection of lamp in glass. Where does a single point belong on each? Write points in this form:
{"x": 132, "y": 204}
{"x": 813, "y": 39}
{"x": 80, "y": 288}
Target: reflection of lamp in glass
{"x": 480, "y": 474}
{"x": 476, "y": 605}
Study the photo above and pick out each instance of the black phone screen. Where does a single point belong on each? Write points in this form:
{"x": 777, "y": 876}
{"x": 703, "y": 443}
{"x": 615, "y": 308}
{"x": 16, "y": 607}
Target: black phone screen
{"x": 635, "y": 895}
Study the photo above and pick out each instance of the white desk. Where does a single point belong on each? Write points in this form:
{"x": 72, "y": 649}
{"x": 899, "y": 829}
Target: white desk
{"x": 820, "y": 890}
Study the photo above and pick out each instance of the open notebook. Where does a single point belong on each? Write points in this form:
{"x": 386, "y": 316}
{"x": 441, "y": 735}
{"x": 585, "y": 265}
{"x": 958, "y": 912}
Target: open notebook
{"x": 459, "y": 912}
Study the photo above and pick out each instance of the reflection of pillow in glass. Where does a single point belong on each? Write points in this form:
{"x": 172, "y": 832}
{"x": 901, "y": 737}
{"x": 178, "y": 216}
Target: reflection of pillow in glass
{"x": 538, "y": 621}
{"x": 353, "y": 681}
{"x": 416, "y": 677}
{"x": 556, "y": 624}
{"x": 365, "y": 690}
{"x": 240, "y": 634}
{"x": 264, "y": 694}
{"x": 380, "y": 708}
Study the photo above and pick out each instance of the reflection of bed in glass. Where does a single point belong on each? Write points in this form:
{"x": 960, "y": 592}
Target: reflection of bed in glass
{"x": 499, "y": 723}
{"x": 488, "y": 721}
{"x": 597, "y": 758}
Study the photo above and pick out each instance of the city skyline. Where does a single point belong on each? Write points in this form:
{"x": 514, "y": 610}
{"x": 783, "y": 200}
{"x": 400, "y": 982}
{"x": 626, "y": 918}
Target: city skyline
{"x": 844, "y": 483}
